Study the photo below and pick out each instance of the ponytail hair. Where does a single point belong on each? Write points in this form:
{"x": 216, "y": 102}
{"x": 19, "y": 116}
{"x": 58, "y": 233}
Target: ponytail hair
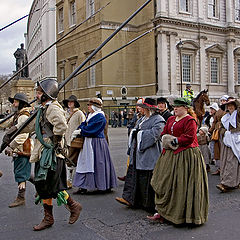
{"x": 191, "y": 112}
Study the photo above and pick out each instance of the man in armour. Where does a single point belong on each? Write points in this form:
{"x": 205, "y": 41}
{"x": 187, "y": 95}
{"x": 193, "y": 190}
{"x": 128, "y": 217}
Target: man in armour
{"x": 50, "y": 170}
{"x": 20, "y": 147}
{"x": 21, "y": 60}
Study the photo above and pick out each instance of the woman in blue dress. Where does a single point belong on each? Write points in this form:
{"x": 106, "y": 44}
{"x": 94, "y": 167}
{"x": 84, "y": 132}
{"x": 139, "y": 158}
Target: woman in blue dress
{"x": 95, "y": 170}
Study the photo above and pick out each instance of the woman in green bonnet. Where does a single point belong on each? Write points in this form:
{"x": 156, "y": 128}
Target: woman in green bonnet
{"x": 179, "y": 178}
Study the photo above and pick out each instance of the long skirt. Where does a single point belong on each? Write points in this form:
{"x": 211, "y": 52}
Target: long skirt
{"x": 137, "y": 189}
{"x": 22, "y": 168}
{"x": 55, "y": 182}
{"x": 230, "y": 167}
{"x": 181, "y": 187}
{"x": 205, "y": 153}
{"x": 104, "y": 177}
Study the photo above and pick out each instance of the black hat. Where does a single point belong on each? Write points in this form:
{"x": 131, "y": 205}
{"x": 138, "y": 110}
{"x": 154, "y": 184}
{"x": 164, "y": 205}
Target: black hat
{"x": 20, "y": 97}
{"x": 231, "y": 101}
{"x": 163, "y": 100}
{"x": 72, "y": 98}
{"x": 149, "y": 103}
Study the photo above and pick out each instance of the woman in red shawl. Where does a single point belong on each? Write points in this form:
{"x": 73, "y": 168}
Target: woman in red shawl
{"x": 180, "y": 178}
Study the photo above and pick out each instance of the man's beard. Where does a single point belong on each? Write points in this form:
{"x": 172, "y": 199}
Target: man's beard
{"x": 14, "y": 109}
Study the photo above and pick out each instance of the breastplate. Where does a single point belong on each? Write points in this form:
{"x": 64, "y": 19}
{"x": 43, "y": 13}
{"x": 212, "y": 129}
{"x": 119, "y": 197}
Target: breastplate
{"x": 46, "y": 126}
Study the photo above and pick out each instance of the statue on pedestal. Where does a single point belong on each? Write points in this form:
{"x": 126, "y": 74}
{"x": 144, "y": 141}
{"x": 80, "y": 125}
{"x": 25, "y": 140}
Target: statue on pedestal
{"x": 21, "y": 60}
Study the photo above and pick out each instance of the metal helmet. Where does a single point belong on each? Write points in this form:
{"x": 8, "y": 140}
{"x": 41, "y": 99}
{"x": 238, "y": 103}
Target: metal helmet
{"x": 50, "y": 87}
{"x": 20, "y": 97}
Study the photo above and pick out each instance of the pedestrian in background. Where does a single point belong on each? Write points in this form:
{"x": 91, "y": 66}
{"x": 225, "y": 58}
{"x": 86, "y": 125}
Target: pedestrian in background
{"x": 179, "y": 178}
{"x": 203, "y": 141}
{"x": 125, "y": 120}
{"x": 145, "y": 148}
{"x": 74, "y": 119}
{"x": 119, "y": 119}
{"x": 209, "y": 122}
{"x": 214, "y": 130}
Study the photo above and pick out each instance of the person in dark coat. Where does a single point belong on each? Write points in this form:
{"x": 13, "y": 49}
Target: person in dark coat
{"x": 145, "y": 149}
{"x": 163, "y": 106}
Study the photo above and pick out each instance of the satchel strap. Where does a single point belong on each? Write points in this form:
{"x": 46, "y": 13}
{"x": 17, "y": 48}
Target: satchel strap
{"x": 72, "y": 115}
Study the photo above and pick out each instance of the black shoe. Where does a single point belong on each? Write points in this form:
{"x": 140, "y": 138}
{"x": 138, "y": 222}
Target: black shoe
{"x": 80, "y": 191}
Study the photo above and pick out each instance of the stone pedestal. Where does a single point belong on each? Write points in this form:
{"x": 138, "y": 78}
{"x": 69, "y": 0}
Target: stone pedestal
{"x": 24, "y": 85}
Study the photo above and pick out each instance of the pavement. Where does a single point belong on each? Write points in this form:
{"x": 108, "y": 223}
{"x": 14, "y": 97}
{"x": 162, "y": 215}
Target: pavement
{"x": 103, "y": 218}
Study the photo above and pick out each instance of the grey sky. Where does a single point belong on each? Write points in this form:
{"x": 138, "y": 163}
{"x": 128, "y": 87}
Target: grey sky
{"x": 12, "y": 37}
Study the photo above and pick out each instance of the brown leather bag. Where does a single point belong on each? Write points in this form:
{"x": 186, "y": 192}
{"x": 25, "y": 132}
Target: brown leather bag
{"x": 26, "y": 148}
{"x": 77, "y": 142}
{"x": 215, "y": 135}
{"x": 74, "y": 149}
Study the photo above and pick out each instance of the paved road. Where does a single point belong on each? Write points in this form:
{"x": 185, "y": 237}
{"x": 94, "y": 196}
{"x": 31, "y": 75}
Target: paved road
{"x": 103, "y": 218}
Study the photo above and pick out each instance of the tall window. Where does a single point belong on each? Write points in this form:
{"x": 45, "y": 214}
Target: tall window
{"x": 238, "y": 71}
{"x": 212, "y": 8}
{"x": 60, "y": 20}
{"x": 237, "y": 10}
{"x": 62, "y": 74}
{"x": 72, "y": 13}
{"x": 90, "y": 7}
{"x": 184, "y": 5}
{"x": 187, "y": 67}
{"x": 75, "y": 79}
{"x": 92, "y": 75}
{"x": 214, "y": 69}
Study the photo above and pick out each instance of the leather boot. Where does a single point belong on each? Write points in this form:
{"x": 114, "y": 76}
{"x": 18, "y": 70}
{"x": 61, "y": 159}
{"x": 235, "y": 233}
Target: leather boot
{"x": 20, "y": 200}
{"x": 47, "y": 221}
{"x": 75, "y": 209}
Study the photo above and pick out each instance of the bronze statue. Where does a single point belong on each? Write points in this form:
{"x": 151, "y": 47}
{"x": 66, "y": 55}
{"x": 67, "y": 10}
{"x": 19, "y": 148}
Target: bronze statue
{"x": 21, "y": 60}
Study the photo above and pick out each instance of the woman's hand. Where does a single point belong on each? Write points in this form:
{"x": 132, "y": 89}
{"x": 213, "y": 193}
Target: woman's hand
{"x": 75, "y": 133}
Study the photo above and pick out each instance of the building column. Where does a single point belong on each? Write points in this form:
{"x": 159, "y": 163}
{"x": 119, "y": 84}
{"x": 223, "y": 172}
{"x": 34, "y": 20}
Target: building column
{"x": 229, "y": 11}
{"x": 162, "y": 64}
{"x": 173, "y": 56}
{"x": 202, "y": 62}
{"x": 230, "y": 58}
{"x": 161, "y": 8}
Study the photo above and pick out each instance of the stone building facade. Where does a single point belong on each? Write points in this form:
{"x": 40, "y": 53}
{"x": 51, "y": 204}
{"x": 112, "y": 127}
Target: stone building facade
{"x": 41, "y": 33}
{"x": 198, "y": 42}
{"x": 133, "y": 68}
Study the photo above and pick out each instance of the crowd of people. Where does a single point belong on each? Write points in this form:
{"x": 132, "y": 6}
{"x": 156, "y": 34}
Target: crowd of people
{"x": 169, "y": 156}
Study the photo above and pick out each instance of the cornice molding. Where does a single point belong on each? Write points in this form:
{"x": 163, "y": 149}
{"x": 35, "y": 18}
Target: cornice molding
{"x": 196, "y": 25}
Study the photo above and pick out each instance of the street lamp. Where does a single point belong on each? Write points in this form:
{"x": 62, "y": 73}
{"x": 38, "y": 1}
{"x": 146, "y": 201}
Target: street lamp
{"x": 180, "y": 46}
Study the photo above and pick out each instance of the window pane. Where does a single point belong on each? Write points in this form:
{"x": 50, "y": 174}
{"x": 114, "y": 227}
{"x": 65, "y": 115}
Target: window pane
{"x": 92, "y": 75}
{"x": 60, "y": 19}
{"x": 73, "y": 13}
{"x": 184, "y": 5}
{"x": 237, "y": 10}
{"x": 186, "y": 68}
{"x": 238, "y": 71}
{"x": 75, "y": 79}
{"x": 214, "y": 69}
{"x": 212, "y": 8}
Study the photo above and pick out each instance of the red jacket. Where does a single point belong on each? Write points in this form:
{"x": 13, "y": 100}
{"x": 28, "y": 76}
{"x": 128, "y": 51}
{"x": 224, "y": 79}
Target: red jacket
{"x": 185, "y": 130}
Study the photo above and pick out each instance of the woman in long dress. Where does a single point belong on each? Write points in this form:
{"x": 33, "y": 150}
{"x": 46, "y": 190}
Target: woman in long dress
{"x": 230, "y": 148}
{"x": 179, "y": 177}
{"x": 145, "y": 149}
{"x": 94, "y": 170}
